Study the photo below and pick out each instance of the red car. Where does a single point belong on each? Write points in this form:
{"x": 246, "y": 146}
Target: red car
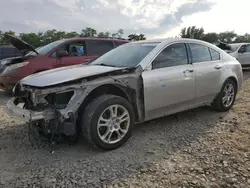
{"x": 60, "y": 53}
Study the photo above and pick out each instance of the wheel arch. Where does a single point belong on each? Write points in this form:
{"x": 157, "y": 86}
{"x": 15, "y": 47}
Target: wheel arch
{"x": 234, "y": 80}
{"x": 113, "y": 89}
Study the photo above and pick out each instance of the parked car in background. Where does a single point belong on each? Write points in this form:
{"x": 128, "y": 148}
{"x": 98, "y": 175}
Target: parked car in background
{"x": 241, "y": 51}
{"x": 8, "y": 51}
{"x": 57, "y": 54}
{"x": 106, "y": 98}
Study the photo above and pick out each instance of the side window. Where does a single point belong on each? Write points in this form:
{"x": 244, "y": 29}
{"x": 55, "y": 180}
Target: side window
{"x": 242, "y": 49}
{"x": 73, "y": 49}
{"x": 76, "y": 49}
{"x": 98, "y": 47}
{"x": 248, "y": 48}
{"x": 214, "y": 54}
{"x": 173, "y": 55}
{"x": 200, "y": 53}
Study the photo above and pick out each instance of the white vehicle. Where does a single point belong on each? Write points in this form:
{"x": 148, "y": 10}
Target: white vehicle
{"x": 133, "y": 83}
{"x": 241, "y": 51}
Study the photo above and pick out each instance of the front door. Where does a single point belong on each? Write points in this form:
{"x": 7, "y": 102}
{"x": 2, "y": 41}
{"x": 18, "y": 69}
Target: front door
{"x": 208, "y": 72}
{"x": 244, "y": 55}
{"x": 170, "y": 86}
{"x": 77, "y": 54}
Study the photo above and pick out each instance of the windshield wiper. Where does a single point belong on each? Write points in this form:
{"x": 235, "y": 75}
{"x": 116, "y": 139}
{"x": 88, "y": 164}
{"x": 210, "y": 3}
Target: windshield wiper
{"x": 103, "y": 64}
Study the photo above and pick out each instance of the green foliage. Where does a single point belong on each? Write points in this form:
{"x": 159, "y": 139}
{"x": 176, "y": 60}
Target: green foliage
{"x": 2, "y": 37}
{"x": 43, "y": 38}
{"x": 227, "y": 36}
{"x": 135, "y": 37}
{"x": 192, "y": 32}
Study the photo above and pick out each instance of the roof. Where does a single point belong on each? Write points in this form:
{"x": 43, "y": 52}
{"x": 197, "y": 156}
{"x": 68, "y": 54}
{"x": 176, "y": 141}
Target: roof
{"x": 94, "y": 38}
{"x": 168, "y": 40}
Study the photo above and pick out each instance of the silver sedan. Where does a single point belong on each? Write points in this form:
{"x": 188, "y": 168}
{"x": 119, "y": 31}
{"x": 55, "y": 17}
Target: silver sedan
{"x": 133, "y": 83}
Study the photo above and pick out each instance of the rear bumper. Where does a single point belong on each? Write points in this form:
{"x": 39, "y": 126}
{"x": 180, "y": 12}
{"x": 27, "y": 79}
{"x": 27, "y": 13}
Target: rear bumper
{"x": 14, "y": 110}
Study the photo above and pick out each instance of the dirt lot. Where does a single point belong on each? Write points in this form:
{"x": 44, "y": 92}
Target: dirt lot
{"x": 197, "y": 148}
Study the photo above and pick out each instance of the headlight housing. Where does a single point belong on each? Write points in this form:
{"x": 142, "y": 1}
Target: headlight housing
{"x": 18, "y": 65}
{"x": 3, "y": 62}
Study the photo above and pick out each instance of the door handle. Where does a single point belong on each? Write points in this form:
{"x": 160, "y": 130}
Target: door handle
{"x": 188, "y": 70}
{"x": 218, "y": 67}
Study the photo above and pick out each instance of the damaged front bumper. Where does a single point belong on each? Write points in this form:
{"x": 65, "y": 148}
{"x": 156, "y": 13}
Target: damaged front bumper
{"x": 46, "y": 122}
{"x": 13, "y": 109}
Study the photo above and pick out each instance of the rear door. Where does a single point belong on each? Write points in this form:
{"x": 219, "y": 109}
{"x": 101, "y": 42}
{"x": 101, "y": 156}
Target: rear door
{"x": 96, "y": 48}
{"x": 208, "y": 72}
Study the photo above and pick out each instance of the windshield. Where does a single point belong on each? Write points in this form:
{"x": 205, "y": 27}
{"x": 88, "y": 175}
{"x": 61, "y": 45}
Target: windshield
{"x": 128, "y": 55}
{"x": 234, "y": 47}
{"x": 45, "y": 49}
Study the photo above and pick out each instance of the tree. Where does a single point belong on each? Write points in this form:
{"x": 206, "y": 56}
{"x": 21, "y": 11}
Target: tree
{"x": 243, "y": 38}
{"x": 227, "y": 36}
{"x": 72, "y": 34}
{"x": 43, "y": 38}
{"x": 210, "y": 37}
{"x": 31, "y": 38}
{"x": 135, "y": 37}
{"x": 192, "y": 32}
{"x": 3, "y": 40}
{"x": 120, "y": 33}
{"x": 107, "y": 34}
{"x": 114, "y": 35}
{"x": 101, "y": 34}
{"x": 88, "y": 32}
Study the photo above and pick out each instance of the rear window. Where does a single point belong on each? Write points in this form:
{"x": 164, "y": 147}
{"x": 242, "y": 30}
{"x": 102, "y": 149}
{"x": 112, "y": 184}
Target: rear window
{"x": 98, "y": 47}
{"x": 118, "y": 43}
{"x": 214, "y": 54}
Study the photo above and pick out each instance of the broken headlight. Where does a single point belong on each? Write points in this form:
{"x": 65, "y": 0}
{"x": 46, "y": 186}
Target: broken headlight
{"x": 59, "y": 100}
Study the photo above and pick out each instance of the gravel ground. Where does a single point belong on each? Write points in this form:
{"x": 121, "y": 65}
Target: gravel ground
{"x": 197, "y": 148}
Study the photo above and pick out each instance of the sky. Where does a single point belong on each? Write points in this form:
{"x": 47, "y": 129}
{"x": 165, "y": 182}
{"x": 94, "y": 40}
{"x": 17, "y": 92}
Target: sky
{"x": 154, "y": 18}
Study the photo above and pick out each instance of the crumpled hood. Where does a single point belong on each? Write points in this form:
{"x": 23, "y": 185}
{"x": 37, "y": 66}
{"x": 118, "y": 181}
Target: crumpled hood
{"x": 20, "y": 44}
{"x": 65, "y": 74}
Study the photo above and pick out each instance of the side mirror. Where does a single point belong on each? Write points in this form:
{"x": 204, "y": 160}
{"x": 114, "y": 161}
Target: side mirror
{"x": 62, "y": 53}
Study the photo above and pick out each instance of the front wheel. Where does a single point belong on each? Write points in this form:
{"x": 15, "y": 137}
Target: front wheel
{"x": 225, "y": 99}
{"x": 108, "y": 121}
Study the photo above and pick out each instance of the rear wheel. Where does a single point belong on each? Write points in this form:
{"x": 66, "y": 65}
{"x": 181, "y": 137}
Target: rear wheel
{"x": 225, "y": 99}
{"x": 108, "y": 121}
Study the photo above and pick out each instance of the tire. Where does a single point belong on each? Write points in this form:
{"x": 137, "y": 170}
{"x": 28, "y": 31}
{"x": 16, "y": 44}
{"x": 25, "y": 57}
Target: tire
{"x": 99, "y": 107}
{"x": 218, "y": 104}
